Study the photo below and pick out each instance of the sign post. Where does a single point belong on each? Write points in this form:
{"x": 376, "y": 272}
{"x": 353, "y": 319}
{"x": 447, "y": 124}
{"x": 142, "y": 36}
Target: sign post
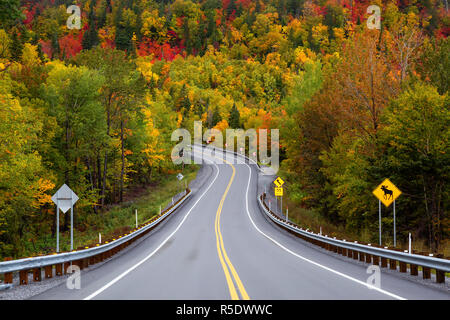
{"x": 395, "y": 235}
{"x": 279, "y": 192}
{"x": 379, "y": 218}
{"x": 64, "y": 199}
{"x": 57, "y": 225}
{"x": 386, "y": 193}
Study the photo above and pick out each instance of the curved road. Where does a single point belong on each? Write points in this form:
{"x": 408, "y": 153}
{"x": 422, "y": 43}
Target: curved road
{"x": 219, "y": 245}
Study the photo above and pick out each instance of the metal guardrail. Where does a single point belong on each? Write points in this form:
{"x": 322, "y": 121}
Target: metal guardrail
{"x": 366, "y": 251}
{"x": 99, "y": 251}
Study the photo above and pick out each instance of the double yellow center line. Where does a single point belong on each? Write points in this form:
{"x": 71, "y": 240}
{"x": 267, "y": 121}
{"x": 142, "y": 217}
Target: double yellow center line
{"x": 223, "y": 257}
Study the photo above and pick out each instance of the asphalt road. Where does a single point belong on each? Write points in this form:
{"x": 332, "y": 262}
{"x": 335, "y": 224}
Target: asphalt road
{"x": 219, "y": 245}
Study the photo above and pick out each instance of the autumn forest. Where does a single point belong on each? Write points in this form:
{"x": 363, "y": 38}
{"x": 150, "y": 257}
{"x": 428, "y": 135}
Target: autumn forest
{"x": 95, "y": 106}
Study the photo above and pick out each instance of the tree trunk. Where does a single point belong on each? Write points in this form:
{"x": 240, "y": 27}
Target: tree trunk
{"x": 105, "y": 166}
{"x": 99, "y": 173}
{"x": 122, "y": 171}
{"x": 105, "y": 169}
{"x": 91, "y": 180}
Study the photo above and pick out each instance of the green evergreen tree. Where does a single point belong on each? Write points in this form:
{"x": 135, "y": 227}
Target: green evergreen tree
{"x": 16, "y": 46}
{"x": 216, "y": 117}
{"x": 10, "y": 13}
{"x": 235, "y": 118}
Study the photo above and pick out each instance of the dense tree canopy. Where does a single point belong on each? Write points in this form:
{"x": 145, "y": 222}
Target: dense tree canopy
{"x": 95, "y": 107}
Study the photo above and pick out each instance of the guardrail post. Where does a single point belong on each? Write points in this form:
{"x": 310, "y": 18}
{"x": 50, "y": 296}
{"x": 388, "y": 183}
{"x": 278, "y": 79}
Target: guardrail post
{"x": 383, "y": 262}
{"x": 79, "y": 263}
{"x": 392, "y": 264}
{"x": 48, "y": 272}
{"x": 368, "y": 258}
{"x": 414, "y": 270}
{"x": 344, "y": 251}
{"x": 349, "y": 253}
{"x": 440, "y": 276}
{"x": 66, "y": 265}
{"x": 355, "y": 255}
{"x": 376, "y": 260}
{"x": 361, "y": 256}
{"x": 426, "y": 273}
{"x": 402, "y": 266}
{"x": 37, "y": 274}
{"x": 59, "y": 269}
{"x": 23, "y": 277}
{"x": 8, "y": 275}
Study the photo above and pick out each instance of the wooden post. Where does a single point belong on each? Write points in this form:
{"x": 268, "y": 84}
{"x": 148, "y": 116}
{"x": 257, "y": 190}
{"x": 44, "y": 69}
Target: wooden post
{"x": 23, "y": 277}
{"x": 66, "y": 265}
{"x": 440, "y": 276}
{"x": 8, "y": 275}
{"x": 79, "y": 263}
{"x": 368, "y": 258}
{"x": 361, "y": 256}
{"x": 383, "y": 262}
{"x": 414, "y": 270}
{"x": 48, "y": 272}
{"x": 59, "y": 269}
{"x": 37, "y": 274}
{"x": 376, "y": 260}
{"x": 392, "y": 264}
{"x": 349, "y": 253}
{"x": 426, "y": 273}
{"x": 402, "y": 266}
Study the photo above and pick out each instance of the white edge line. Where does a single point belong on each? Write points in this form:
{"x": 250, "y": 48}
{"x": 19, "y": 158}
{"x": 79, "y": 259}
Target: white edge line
{"x": 109, "y": 284}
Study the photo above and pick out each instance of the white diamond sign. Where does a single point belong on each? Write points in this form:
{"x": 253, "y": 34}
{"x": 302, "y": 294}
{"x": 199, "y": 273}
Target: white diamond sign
{"x": 180, "y": 176}
{"x": 65, "y": 198}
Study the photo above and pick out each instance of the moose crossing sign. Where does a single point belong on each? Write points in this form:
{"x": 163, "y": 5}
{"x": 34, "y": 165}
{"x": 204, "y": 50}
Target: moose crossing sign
{"x": 387, "y": 192}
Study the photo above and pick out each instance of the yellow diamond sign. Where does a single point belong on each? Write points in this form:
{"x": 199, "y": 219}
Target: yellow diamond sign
{"x": 278, "y": 182}
{"x": 387, "y": 192}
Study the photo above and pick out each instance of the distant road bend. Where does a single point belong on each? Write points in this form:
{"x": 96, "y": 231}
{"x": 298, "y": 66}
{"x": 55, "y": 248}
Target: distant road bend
{"x": 219, "y": 245}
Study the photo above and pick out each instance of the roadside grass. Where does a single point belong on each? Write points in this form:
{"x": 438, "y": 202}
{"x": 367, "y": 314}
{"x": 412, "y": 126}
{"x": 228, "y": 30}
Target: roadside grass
{"x": 117, "y": 220}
